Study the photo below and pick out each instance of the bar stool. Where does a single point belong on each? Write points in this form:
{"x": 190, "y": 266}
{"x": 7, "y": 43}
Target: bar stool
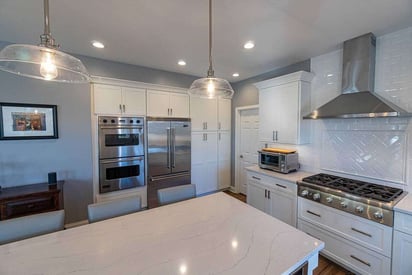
{"x": 110, "y": 209}
{"x": 176, "y": 193}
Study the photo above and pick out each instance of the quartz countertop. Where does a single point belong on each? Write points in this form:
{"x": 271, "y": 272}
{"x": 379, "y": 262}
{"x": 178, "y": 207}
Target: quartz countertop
{"x": 291, "y": 177}
{"x": 404, "y": 205}
{"x": 214, "y": 234}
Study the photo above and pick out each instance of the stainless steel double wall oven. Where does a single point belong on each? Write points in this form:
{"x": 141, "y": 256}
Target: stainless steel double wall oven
{"x": 121, "y": 153}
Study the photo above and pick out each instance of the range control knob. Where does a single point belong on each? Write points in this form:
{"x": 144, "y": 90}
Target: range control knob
{"x": 329, "y": 199}
{"x": 359, "y": 209}
{"x": 304, "y": 193}
{"x": 378, "y": 215}
{"x": 316, "y": 196}
{"x": 344, "y": 204}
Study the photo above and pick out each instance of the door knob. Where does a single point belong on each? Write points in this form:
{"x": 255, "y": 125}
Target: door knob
{"x": 241, "y": 156}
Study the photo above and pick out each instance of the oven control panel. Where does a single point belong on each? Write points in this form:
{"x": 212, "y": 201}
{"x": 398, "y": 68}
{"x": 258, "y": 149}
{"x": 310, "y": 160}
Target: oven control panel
{"x": 358, "y": 208}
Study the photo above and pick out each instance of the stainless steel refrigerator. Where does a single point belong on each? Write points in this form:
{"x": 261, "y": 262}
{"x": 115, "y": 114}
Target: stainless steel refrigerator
{"x": 169, "y": 152}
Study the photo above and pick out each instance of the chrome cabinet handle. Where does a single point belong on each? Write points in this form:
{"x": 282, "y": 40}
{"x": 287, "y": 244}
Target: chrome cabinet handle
{"x": 204, "y": 125}
{"x": 220, "y": 136}
{"x": 220, "y": 125}
{"x": 282, "y": 186}
{"x": 206, "y": 136}
{"x": 276, "y": 135}
{"x": 256, "y": 178}
{"x": 171, "y": 111}
{"x": 313, "y": 213}
{"x": 120, "y": 107}
{"x": 361, "y": 232}
{"x": 359, "y": 260}
{"x": 273, "y": 135}
{"x": 266, "y": 192}
{"x": 124, "y": 108}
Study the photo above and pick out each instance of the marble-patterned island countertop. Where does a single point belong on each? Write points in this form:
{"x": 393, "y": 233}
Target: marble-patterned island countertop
{"x": 214, "y": 234}
{"x": 291, "y": 177}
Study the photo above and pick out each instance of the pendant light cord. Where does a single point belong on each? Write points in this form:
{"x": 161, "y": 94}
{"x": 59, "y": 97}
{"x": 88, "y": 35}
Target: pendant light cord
{"x": 46, "y": 17}
{"x": 210, "y": 72}
{"x": 46, "y": 40}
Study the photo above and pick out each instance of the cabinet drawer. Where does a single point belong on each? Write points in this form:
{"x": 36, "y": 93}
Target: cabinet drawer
{"x": 369, "y": 234}
{"x": 348, "y": 253}
{"x": 25, "y": 207}
{"x": 274, "y": 183}
{"x": 403, "y": 222}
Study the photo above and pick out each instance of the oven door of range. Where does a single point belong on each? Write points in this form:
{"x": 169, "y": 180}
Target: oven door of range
{"x": 120, "y": 142}
{"x": 118, "y": 174}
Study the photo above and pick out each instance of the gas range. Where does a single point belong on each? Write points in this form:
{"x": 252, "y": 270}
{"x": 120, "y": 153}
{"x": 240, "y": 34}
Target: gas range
{"x": 367, "y": 200}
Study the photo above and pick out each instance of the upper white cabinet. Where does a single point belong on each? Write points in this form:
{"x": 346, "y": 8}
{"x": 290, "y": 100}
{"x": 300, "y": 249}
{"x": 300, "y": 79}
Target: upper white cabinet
{"x": 166, "y": 104}
{"x": 109, "y": 99}
{"x": 224, "y": 114}
{"x": 282, "y": 103}
{"x": 203, "y": 114}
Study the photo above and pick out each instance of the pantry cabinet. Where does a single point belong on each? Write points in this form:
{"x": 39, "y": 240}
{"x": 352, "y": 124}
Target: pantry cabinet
{"x": 166, "y": 104}
{"x": 282, "y": 103}
{"x": 118, "y": 100}
{"x": 273, "y": 196}
{"x": 224, "y": 114}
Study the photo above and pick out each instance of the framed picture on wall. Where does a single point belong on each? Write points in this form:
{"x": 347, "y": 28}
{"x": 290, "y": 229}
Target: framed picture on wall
{"x": 28, "y": 121}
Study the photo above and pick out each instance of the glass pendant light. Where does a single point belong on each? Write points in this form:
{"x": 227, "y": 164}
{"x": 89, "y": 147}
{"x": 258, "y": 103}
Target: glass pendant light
{"x": 44, "y": 61}
{"x": 211, "y": 86}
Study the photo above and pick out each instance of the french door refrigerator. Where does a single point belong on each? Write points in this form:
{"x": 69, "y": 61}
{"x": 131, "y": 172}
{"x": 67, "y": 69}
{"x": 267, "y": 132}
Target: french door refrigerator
{"x": 169, "y": 152}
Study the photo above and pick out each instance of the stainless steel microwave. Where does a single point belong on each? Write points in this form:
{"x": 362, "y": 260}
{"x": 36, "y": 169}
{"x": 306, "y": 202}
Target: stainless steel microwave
{"x": 279, "y": 162}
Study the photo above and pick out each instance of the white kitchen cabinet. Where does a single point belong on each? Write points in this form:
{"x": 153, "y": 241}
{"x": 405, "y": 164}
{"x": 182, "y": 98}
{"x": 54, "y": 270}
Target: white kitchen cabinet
{"x": 203, "y": 114}
{"x": 274, "y": 196}
{"x": 117, "y": 100}
{"x": 402, "y": 244}
{"x": 224, "y": 114}
{"x": 166, "y": 104}
{"x": 282, "y": 103}
{"x": 204, "y": 162}
{"x": 223, "y": 156}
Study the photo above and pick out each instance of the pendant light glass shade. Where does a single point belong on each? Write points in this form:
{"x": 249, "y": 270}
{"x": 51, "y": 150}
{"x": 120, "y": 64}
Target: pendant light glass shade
{"x": 211, "y": 86}
{"x": 43, "y": 61}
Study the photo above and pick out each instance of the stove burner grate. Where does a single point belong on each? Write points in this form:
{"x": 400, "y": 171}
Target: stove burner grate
{"x": 359, "y": 188}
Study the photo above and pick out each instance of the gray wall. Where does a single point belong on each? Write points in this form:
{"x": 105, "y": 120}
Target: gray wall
{"x": 247, "y": 94}
{"x": 28, "y": 161}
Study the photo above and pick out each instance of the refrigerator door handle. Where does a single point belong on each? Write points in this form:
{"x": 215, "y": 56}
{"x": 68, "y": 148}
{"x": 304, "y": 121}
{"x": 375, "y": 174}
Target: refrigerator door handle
{"x": 173, "y": 140}
{"x": 168, "y": 147}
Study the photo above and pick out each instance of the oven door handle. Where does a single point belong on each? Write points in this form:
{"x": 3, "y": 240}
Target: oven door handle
{"x": 117, "y": 160}
{"x": 121, "y": 127}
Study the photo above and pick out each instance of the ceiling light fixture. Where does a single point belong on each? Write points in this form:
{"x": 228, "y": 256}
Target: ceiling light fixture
{"x": 98, "y": 44}
{"x": 43, "y": 61}
{"x": 211, "y": 86}
{"x": 181, "y": 63}
{"x": 249, "y": 45}
{"x": 235, "y": 75}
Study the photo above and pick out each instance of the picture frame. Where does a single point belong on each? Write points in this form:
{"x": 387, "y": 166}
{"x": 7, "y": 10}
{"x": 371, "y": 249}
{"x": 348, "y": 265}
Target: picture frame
{"x": 28, "y": 121}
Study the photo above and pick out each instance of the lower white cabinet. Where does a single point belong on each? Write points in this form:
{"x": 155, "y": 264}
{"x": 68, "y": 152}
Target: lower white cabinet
{"x": 204, "y": 162}
{"x": 402, "y": 244}
{"x": 273, "y": 196}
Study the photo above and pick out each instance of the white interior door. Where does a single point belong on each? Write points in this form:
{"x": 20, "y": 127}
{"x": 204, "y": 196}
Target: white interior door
{"x": 248, "y": 144}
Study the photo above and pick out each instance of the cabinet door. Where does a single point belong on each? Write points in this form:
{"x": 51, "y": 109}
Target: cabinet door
{"x": 204, "y": 161}
{"x": 224, "y": 114}
{"x": 134, "y": 101}
{"x": 267, "y": 114}
{"x": 203, "y": 114}
{"x": 256, "y": 195}
{"x": 179, "y": 105}
{"x": 158, "y": 103}
{"x": 402, "y": 249}
{"x": 283, "y": 206}
{"x": 224, "y": 159}
{"x": 107, "y": 99}
{"x": 287, "y": 109}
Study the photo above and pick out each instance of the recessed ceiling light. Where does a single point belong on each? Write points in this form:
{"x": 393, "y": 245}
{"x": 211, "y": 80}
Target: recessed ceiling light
{"x": 249, "y": 45}
{"x": 98, "y": 44}
{"x": 181, "y": 63}
{"x": 235, "y": 75}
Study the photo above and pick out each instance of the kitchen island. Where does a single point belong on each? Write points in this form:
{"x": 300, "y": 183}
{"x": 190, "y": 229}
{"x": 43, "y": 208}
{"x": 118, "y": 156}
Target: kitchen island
{"x": 214, "y": 234}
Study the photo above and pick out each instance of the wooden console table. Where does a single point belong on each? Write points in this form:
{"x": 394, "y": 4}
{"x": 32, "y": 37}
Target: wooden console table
{"x": 30, "y": 199}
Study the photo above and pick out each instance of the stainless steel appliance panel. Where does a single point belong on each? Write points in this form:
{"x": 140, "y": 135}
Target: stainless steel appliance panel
{"x": 123, "y": 173}
{"x": 120, "y": 137}
{"x": 157, "y": 183}
{"x": 180, "y": 146}
{"x": 158, "y": 148}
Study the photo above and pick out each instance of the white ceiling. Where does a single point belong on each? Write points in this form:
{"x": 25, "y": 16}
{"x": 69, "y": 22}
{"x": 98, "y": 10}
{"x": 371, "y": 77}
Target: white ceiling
{"x": 157, "y": 33}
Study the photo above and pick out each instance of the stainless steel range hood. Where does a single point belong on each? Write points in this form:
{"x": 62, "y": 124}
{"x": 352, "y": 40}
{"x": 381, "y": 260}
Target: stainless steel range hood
{"x": 358, "y": 99}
